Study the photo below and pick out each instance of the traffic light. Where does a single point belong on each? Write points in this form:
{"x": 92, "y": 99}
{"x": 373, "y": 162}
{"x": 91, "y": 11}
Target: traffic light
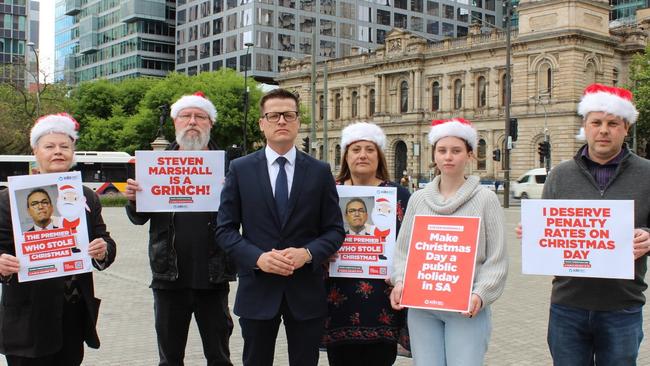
{"x": 544, "y": 150}
{"x": 513, "y": 129}
{"x": 496, "y": 154}
{"x": 305, "y": 144}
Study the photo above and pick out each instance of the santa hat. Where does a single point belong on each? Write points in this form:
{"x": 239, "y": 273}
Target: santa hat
{"x": 65, "y": 187}
{"x": 363, "y": 131}
{"x": 456, "y": 127}
{"x": 601, "y": 98}
{"x": 196, "y": 100}
{"x": 54, "y": 123}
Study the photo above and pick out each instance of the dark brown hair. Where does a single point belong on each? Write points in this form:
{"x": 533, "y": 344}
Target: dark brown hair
{"x": 382, "y": 167}
{"x": 278, "y": 94}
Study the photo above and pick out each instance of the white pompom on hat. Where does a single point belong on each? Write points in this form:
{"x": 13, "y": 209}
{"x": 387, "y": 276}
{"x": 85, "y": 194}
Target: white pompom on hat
{"x": 54, "y": 123}
{"x": 196, "y": 100}
{"x": 363, "y": 131}
{"x": 456, "y": 127}
{"x": 609, "y": 99}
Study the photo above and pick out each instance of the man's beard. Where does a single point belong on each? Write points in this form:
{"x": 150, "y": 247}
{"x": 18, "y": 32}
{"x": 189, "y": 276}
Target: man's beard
{"x": 383, "y": 222}
{"x": 192, "y": 141}
{"x": 68, "y": 210}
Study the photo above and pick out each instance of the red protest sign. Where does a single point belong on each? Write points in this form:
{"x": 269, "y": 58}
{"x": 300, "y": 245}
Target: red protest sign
{"x": 440, "y": 264}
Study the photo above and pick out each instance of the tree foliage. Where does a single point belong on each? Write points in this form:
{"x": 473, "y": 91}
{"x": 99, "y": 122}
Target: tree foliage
{"x": 125, "y": 115}
{"x": 640, "y": 78}
{"x": 20, "y": 109}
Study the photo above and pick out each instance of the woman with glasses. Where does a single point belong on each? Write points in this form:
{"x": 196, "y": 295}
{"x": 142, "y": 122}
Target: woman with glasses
{"x": 46, "y": 322}
{"x": 362, "y": 328}
{"x": 440, "y": 338}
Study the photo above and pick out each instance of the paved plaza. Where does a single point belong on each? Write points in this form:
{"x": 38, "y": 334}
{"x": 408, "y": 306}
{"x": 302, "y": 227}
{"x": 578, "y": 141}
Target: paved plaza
{"x": 128, "y": 338}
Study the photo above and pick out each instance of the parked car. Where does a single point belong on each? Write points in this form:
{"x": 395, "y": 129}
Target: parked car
{"x": 530, "y": 184}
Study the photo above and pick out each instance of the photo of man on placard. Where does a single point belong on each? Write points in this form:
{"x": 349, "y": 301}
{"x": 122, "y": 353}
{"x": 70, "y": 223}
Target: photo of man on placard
{"x": 356, "y": 216}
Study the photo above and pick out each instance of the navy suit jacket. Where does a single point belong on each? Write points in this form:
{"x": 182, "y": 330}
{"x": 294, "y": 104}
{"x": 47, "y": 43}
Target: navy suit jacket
{"x": 313, "y": 221}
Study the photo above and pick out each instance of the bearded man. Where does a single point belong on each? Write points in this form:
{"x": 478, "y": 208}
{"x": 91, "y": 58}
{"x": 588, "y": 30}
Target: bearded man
{"x": 190, "y": 271}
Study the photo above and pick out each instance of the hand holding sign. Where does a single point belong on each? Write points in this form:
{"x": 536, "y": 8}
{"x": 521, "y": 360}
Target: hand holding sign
{"x": 641, "y": 243}
{"x": 9, "y": 264}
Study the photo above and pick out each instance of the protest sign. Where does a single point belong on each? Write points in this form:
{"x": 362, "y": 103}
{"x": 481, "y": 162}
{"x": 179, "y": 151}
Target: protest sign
{"x": 440, "y": 264}
{"x": 578, "y": 238}
{"x": 369, "y": 214}
{"x": 49, "y": 225}
{"x": 182, "y": 181}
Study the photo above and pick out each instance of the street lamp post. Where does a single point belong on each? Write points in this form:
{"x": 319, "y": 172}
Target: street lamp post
{"x": 38, "y": 84}
{"x": 244, "y": 127}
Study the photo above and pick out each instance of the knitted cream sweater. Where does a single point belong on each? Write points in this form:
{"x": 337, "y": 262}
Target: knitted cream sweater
{"x": 471, "y": 200}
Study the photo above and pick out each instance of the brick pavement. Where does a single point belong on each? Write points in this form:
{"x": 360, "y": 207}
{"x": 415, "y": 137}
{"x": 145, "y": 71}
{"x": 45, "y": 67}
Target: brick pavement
{"x": 126, "y": 316}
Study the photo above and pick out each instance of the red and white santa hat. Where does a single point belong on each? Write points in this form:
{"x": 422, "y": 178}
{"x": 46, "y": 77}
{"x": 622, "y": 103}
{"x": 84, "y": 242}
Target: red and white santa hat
{"x": 196, "y": 100}
{"x": 613, "y": 100}
{"x": 54, "y": 123}
{"x": 363, "y": 131}
{"x": 457, "y": 127}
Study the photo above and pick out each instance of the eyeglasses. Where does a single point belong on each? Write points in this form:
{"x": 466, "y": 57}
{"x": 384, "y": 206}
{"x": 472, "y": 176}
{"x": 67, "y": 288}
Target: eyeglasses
{"x": 197, "y": 117}
{"x": 353, "y": 211}
{"x": 44, "y": 203}
{"x": 274, "y": 117}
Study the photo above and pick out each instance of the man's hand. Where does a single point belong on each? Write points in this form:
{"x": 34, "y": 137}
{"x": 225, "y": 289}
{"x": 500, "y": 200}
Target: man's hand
{"x": 97, "y": 249}
{"x": 299, "y": 256}
{"x": 641, "y": 243}
{"x": 276, "y": 263}
{"x": 131, "y": 187}
{"x": 8, "y": 264}
{"x": 475, "y": 305}
{"x": 518, "y": 231}
{"x": 396, "y": 296}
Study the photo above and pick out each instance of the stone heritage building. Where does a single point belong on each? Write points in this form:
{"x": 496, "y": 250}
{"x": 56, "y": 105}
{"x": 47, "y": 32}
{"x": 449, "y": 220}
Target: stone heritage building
{"x": 560, "y": 47}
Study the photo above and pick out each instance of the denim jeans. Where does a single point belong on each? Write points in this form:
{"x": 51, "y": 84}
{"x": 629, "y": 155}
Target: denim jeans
{"x": 578, "y": 337}
{"x": 445, "y": 338}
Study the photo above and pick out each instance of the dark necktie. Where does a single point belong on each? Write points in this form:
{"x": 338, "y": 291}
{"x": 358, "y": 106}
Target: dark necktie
{"x": 281, "y": 189}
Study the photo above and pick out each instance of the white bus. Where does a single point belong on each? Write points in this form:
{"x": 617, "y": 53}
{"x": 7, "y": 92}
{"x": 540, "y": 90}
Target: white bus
{"x": 103, "y": 171}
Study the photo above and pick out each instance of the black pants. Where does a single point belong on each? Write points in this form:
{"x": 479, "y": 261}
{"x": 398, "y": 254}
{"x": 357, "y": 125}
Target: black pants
{"x": 173, "y": 312}
{"x": 303, "y": 338}
{"x": 71, "y": 353}
{"x": 376, "y": 354}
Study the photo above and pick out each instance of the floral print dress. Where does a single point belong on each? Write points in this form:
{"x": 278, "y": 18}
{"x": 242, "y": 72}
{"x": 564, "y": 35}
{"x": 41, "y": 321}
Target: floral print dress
{"x": 359, "y": 309}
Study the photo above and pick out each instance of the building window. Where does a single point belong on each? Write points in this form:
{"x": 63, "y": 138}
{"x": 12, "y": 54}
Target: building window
{"x": 481, "y": 95}
{"x": 480, "y": 155}
{"x": 399, "y": 21}
{"x": 615, "y": 77}
{"x": 217, "y": 26}
{"x": 458, "y": 94}
{"x": 320, "y": 152}
{"x": 216, "y": 47}
{"x": 371, "y": 102}
{"x": 355, "y": 104}
{"x": 590, "y": 73}
{"x": 404, "y": 97}
{"x": 337, "y": 106}
{"x": 435, "y": 96}
{"x": 383, "y": 17}
{"x": 545, "y": 80}
{"x": 321, "y": 104}
{"x": 337, "y": 155}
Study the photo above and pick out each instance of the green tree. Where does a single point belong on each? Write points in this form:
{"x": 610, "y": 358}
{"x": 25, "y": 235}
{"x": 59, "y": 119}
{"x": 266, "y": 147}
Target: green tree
{"x": 19, "y": 107}
{"x": 640, "y": 78}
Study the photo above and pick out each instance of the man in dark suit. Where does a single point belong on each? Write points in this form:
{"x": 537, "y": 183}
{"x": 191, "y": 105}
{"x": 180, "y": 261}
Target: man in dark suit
{"x": 287, "y": 205}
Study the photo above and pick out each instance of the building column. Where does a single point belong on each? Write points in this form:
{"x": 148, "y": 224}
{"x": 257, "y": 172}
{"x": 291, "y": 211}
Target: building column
{"x": 362, "y": 104}
{"x": 345, "y": 103}
{"x": 378, "y": 105}
{"x": 385, "y": 107}
{"x": 417, "y": 104}
{"x": 411, "y": 107}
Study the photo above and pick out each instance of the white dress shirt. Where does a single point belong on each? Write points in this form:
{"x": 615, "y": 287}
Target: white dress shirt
{"x": 274, "y": 167}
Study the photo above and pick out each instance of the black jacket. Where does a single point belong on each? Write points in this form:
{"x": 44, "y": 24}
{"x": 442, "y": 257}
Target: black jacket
{"x": 31, "y": 312}
{"x": 162, "y": 251}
